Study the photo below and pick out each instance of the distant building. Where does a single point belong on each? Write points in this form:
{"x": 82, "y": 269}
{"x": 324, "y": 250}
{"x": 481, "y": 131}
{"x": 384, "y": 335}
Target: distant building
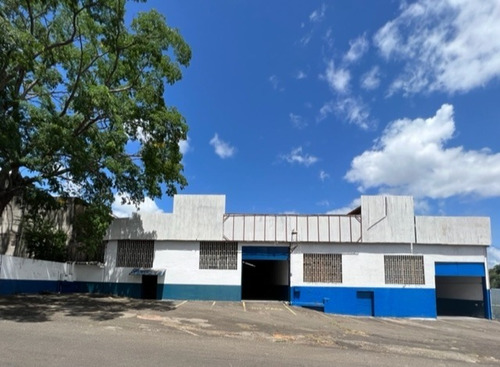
{"x": 379, "y": 260}
{"x": 12, "y": 226}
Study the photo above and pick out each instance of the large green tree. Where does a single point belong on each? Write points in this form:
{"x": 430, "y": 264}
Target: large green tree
{"x": 82, "y": 108}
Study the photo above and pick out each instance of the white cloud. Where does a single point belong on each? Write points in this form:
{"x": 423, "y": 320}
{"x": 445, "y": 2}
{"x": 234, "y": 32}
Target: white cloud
{"x": 346, "y": 209}
{"x": 493, "y": 256}
{"x": 304, "y": 41}
{"x": 337, "y": 79}
{"x": 327, "y": 109}
{"x": 275, "y": 82}
{"x": 411, "y": 158}
{"x": 351, "y": 109}
{"x": 184, "y": 146}
{"x": 328, "y": 38}
{"x": 125, "y": 210}
{"x": 323, "y": 175}
{"x": 222, "y": 149}
{"x": 318, "y": 15}
{"x": 323, "y": 203}
{"x": 371, "y": 79}
{"x": 300, "y": 75}
{"x": 297, "y": 121}
{"x": 355, "y": 111}
{"x": 297, "y": 156}
{"x": 357, "y": 49}
{"x": 445, "y": 45}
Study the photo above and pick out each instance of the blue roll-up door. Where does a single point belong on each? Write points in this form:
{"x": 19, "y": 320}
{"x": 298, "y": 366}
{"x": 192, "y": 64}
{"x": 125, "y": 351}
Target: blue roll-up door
{"x": 265, "y": 253}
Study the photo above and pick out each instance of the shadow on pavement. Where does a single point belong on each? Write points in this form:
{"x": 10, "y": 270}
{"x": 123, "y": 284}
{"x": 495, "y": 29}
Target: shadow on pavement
{"x": 42, "y": 307}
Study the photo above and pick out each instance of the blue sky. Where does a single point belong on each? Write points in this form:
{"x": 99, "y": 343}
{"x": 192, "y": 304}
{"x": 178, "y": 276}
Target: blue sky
{"x": 304, "y": 106}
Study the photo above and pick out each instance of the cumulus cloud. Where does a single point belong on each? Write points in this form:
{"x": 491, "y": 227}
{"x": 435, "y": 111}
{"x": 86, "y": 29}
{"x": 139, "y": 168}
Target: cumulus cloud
{"x": 297, "y": 121}
{"x": 411, "y": 157}
{"x": 346, "y": 209}
{"x": 184, "y": 146}
{"x": 358, "y": 48}
{"x": 318, "y": 15}
{"x": 337, "y": 78}
{"x": 444, "y": 45}
{"x": 371, "y": 79}
{"x": 298, "y": 156}
{"x": 121, "y": 210}
{"x": 221, "y": 148}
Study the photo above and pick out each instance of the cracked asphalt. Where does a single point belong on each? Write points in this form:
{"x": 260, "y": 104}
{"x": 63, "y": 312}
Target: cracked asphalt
{"x": 83, "y": 330}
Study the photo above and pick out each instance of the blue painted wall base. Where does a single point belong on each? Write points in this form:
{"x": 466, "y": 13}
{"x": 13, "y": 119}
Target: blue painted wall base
{"x": 201, "y": 292}
{"x": 382, "y": 302}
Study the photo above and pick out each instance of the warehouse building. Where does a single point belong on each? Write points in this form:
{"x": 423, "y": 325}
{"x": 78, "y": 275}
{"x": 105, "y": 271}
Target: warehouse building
{"x": 378, "y": 260}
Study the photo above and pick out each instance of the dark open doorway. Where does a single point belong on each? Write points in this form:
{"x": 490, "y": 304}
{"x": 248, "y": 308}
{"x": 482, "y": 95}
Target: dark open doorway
{"x": 265, "y": 280}
{"x": 265, "y": 273}
{"x": 149, "y": 287}
{"x": 460, "y": 296}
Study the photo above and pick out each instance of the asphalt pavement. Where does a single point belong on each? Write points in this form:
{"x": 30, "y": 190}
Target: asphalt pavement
{"x": 85, "y": 330}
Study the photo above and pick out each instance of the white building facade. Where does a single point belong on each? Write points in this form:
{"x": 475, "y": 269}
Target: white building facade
{"x": 379, "y": 260}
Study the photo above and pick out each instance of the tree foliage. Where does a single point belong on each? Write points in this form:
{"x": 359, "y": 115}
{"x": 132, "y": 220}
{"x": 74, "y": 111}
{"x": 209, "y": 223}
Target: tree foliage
{"x": 495, "y": 276}
{"x": 82, "y": 109}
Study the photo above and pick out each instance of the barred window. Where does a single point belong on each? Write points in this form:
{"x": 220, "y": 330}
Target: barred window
{"x": 322, "y": 268}
{"x": 135, "y": 254}
{"x": 404, "y": 269}
{"x": 218, "y": 255}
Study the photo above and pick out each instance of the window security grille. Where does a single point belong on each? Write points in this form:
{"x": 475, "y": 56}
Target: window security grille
{"x": 218, "y": 255}
{"x": 322, "y": 268}
{"x": 135, "y": 254}
{"x": 404, "y": 269}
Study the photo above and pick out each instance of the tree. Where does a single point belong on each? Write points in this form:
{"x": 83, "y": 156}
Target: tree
{"x": 495, "y": 276}
{"x": 82, "y": 109}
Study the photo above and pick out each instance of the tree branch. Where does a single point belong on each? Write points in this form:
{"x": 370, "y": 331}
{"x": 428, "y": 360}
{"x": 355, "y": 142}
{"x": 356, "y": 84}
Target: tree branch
{"x": 71, "y": 39}
{"x": 32, "y": 21}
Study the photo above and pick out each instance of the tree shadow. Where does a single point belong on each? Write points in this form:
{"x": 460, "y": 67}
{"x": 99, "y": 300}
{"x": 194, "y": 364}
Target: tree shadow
{"x": 43, "y": 307}
{"x": 130, "y": 228}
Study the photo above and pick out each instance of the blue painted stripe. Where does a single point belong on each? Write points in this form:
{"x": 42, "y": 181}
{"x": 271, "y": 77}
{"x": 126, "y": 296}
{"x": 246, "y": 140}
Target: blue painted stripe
{"x": 202, "y": 292}
{"x": 460, "y": 269}
{"x": 387, "y": 302}
{"x": 13, "y": 286}
{"x": 265, "y": 253}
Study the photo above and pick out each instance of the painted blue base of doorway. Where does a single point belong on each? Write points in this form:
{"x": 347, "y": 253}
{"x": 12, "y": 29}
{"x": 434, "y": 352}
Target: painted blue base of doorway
{"x": 201, "y": 292}
{"x": 381, "y": 302}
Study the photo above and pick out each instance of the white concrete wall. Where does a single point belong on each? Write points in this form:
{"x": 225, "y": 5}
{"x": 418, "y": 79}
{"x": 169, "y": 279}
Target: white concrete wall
{"x": 453, "y": 230}
{"x": 20, "y": 268}
{"x": 194, "y": 218}
{"x": 181, "y": 261}
{"x": 387, "y": 219}
{"x": 363, "y": 265}
{"x": 86, "y": 273}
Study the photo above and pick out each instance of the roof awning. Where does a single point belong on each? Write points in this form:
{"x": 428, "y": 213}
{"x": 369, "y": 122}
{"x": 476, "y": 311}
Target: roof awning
{"x": 141, "y": 271}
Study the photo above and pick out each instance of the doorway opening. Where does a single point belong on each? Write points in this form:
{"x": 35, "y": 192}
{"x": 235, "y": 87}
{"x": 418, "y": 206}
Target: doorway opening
{"x": 265, "y": 273}
{"x": 460, "y": 296}
{"x": 149, "y": 287}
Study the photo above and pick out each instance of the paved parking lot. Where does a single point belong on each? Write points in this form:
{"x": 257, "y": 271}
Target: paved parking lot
{"x": 82, "y": 330}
